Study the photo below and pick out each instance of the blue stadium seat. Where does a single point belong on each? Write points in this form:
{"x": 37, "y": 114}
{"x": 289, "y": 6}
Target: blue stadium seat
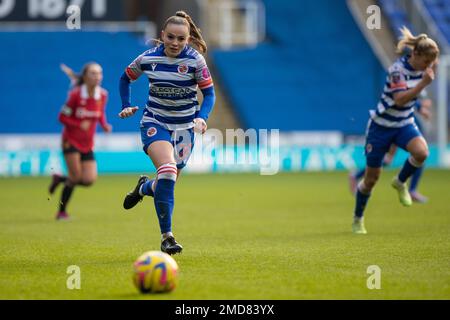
{"x": 34, "y": 88}
{"x": 396, "y": 15}
{"x": 315, "y": 72}
{"x": 440, "y": 12}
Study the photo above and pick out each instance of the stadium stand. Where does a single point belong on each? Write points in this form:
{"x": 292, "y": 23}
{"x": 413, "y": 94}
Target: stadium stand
{"x": 315, "y": 72}
{"x": 36, "y": 88}
{"x": 396, "y": 14}
{"x": 440, "y": 12}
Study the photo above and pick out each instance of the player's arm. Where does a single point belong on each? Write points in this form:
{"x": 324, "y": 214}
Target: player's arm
{"x": 205, "y": 83}
{"x": 201, "y": 117}
{"x": 131, "y": 74}
{"x": 70, "y": 74}
{"x": 103, "y": 122}
{"x": 403, "y": 97}
{"x": 68, "y": 109}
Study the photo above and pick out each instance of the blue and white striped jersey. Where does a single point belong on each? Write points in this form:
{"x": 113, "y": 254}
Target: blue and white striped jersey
{"x": 401, "y": 77}
{"x": 173, "y": 83}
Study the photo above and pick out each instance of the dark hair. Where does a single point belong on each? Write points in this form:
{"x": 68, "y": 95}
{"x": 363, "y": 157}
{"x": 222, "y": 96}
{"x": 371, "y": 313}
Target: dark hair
{"x": 182, "y": 18}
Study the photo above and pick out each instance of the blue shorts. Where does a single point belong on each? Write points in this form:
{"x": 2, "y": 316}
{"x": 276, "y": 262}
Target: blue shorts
{"x": 379, "y": 140}
{"x": 181, "y": 140}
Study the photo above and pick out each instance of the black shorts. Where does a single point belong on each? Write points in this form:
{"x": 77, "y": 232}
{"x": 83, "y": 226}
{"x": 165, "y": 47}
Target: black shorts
{"x": 85, "y": 156}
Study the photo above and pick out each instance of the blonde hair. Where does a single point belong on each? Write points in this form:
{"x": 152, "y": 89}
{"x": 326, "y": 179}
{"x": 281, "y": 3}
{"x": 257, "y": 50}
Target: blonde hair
{"x": 420, "y": 45}
{"x": 182, "y": 18}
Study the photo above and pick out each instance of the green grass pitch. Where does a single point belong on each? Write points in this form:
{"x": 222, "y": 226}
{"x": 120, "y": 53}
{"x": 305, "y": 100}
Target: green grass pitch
{"x": 245, "y": 236}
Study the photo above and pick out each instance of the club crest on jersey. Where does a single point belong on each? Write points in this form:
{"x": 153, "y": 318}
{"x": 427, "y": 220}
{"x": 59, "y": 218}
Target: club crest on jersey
{"x": 183, "y": 69}
{"x": 151, "y": 131}
{"x": 396, "y": 77}
{"x": 154, "y": 66}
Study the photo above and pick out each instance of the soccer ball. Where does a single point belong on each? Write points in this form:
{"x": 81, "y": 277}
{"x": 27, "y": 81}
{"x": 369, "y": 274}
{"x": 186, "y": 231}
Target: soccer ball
{"x": 155, "y": 271}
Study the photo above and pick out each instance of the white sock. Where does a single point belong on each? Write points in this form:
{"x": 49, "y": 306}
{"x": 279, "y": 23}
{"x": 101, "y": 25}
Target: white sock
{"x": 164, "y": 236}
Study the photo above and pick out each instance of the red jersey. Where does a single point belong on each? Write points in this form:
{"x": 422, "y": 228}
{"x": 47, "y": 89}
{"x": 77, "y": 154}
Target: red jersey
{"x": 78, "y": 108}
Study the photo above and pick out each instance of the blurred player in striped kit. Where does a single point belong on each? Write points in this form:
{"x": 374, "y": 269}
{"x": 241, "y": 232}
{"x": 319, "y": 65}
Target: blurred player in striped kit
{"x": 393, "y": 121}
{"x": 84, "y": 108}
{"x": 423, "y": 108}
{"x": 175, "y": 70}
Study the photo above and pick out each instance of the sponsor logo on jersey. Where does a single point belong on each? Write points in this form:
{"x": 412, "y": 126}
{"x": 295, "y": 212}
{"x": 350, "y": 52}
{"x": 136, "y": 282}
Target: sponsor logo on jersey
{"x": 170, "y": 92}
{"x": 84, "y": 113}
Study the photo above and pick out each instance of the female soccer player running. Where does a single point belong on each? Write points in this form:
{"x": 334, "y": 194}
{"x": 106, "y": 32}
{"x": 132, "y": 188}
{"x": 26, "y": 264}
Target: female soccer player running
{"x": 423, "y": 108}
{"x": 84, "y": 107}
{"x": 393, "y": 121}
{"x": 175, "y": 70}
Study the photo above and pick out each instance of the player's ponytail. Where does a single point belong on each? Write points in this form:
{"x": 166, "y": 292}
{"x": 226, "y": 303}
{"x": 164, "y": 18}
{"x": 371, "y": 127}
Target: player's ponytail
{"x": 420, "y": 45}
{"x": 182, "y": 18}
{"x": 195, "y": 32}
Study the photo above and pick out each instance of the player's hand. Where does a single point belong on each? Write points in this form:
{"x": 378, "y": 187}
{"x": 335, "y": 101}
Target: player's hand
{"x": 200, "y": 125}
{"x": 428, "y": 75}
{"x": 435, "y": 64}
{"x": 107, "y": 128}
{"x": 85, "y": 125}
{"x": 128, "y": 112}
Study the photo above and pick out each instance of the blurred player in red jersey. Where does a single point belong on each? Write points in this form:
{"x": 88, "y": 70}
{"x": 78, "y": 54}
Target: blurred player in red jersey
{"x": 84, "y": 107}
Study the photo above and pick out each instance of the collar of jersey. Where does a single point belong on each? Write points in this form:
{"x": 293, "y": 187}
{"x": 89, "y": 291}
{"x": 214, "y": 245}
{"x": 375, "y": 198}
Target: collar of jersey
{"x": 85, "y": 94}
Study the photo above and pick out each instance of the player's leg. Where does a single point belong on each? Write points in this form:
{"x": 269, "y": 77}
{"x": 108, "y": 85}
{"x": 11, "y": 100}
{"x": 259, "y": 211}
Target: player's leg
{"x": 57, "y": 179}
{"x": 145, "y": 186}
{"x": 416, "y": 196}
{"x": 363, "y": 193}
{"x": 411, "y": 140}
{"x": 73, "y": 163}
{"x": 88, "y": 170}
{"x": 183, "y": 143}
{"x": 387, "y": 160}
{"x": 162, "y": 155}
{"x": 378, "y": 142}
{"x": 354, "y": 177}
